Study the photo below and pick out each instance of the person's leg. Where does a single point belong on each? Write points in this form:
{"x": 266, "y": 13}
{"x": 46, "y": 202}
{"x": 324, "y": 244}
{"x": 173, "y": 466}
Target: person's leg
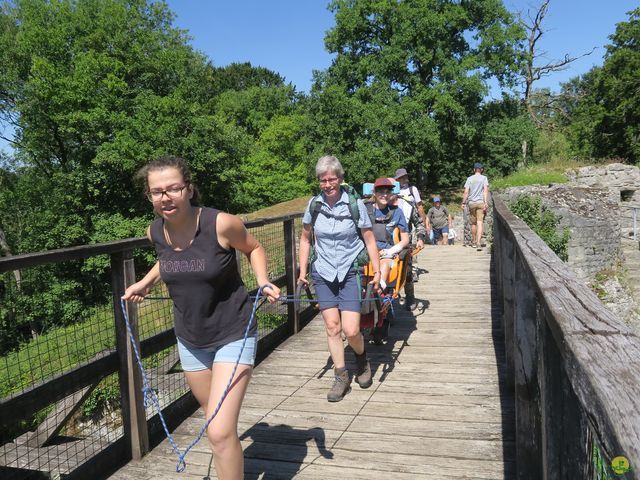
{"x": 437, "y": 236}
{"x": 223, "y": 430}
{"x": 445, "y": 235}
{"x": 351, "y": 329}
{"x": 385, "y": 268}
{"x": 350, "y": 291}
{"x": 332, "y": 325}
{"x": 196, "y": 364}
{"x": 479, "y": 228}
{"x": 474, "y": 225}
{"x": 341, "y": 384}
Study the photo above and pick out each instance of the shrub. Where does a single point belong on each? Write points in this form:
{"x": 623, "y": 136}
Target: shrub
{"x": 543, "y": 222}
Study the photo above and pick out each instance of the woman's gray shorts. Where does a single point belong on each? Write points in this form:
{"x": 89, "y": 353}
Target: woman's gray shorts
{"x": 331, "y": 294}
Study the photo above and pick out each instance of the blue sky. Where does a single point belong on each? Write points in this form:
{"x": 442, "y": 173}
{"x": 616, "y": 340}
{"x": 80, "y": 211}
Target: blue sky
{"x": 287, "y": 36}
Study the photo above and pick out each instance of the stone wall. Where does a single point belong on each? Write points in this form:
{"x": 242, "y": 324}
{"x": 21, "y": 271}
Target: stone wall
{"x": 624, "y": 183}
{"x": 593, "y": 217}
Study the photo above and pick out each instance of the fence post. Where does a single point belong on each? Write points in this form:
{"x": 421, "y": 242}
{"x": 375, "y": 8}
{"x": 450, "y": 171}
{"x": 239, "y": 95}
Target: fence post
{"x": 132, "y": 402}
{"x": 527, "y": 391}
{"x": 291, "y": 272}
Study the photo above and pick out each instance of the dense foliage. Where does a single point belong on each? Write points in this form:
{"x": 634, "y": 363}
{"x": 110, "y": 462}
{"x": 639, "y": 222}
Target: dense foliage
{"x": 601, "y": 109}
{"x": 408, "y": 83}
{"x": 544, "y": 222}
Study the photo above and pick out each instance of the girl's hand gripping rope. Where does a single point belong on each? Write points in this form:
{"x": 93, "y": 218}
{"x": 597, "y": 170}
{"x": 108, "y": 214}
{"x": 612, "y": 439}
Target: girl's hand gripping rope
{"x": 136, "y": 292}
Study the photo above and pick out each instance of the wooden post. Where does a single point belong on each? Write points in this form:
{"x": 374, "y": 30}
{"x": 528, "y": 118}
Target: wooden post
{"x": 507, "y": 271}
{"x": 527, "y": 392}
{"x": 550, "y": 373}
{"x": 291, "y": 272}
{"x": 575, "y": 449}
{"x": 497, "y": 260}
{"x": 132, "y": 401}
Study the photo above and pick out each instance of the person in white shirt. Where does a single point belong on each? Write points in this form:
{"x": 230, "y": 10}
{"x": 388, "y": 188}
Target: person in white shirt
{"x": 410, "y": 192}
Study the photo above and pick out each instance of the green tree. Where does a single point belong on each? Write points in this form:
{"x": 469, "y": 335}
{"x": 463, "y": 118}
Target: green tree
{"x": 582, "y": 112}
{"x": 619, "y": 131}
{"x": 414, "y": 75}
{"x": 242, "y": 76}
{"x": 602, "y": 108}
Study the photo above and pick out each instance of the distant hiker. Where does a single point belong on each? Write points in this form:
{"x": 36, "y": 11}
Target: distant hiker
{"x": 441, "y": 221}
{"x": 476, "y": 195}
{"x": 408, "y": 190}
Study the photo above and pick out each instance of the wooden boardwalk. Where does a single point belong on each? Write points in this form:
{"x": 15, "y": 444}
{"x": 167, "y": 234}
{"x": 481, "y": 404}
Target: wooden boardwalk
{"x": 438, "y": 408}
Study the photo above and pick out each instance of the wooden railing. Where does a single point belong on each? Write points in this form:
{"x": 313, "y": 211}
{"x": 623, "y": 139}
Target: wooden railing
{"x": 67, "y": 390}
{"x": 574, "y": 367}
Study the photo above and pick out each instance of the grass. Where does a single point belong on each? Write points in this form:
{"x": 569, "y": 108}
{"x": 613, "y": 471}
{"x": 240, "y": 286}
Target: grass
{"x": 297, "y": 205}
{"x": 537, "y": 174}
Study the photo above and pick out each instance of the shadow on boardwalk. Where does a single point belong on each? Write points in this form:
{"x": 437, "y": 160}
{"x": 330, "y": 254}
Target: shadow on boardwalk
{"x": 288, "y": 439}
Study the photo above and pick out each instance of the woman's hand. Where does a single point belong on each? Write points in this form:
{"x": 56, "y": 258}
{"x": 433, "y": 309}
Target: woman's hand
{"x": 303, "y": 279}
{"x": 271, "y": 292}
{"x": 135, "y": 293}
{"x": 383, "y": 252}
{"x": 375, "y": 281}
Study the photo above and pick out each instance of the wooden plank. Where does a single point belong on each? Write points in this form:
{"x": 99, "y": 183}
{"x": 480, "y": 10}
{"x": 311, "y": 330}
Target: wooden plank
{"x": 56, "y": 420}
{"x": 439, "y": 412}
{"x": 17, "y": 262}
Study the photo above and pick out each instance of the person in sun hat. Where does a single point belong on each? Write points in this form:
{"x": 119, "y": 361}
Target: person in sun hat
{"x": 387, "y": 218}
{"x": 476, "y": 198}
{"x": 411, "y": 193}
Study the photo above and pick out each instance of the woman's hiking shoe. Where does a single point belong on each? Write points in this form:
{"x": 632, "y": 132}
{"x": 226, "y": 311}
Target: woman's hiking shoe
{"x": 340, "y": 386}
{"x": 363, "y": 374}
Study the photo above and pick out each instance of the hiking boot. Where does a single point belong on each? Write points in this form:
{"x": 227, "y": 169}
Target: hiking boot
{"x": 363, "y": 373}
{"x": 340, "y": 386}
{"x": 410, "y": 304}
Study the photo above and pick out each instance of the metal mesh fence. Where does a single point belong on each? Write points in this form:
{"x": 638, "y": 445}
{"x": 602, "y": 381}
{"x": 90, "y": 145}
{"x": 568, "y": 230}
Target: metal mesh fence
{"x": 56, "y": 318}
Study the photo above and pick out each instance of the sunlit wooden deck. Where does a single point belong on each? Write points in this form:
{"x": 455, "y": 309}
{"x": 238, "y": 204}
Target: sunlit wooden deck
{"x": 438, "y": 408}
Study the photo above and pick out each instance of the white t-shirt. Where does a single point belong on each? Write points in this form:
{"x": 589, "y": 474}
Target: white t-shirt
{"x": 411, "y": 191}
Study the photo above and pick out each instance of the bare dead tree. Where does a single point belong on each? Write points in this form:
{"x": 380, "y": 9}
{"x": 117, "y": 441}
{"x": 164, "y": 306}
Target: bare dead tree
{"x": 534, "y": 70}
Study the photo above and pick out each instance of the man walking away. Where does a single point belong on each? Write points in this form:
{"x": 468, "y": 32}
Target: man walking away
{"x": 476, "y": 195}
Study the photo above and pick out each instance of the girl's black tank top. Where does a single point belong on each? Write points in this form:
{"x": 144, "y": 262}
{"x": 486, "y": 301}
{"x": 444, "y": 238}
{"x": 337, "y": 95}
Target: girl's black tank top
{"x": 211, "y": 305}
